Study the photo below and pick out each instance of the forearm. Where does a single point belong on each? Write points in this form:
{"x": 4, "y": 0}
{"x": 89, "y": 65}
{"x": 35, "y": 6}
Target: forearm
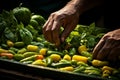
{"x": 83, "y": 5}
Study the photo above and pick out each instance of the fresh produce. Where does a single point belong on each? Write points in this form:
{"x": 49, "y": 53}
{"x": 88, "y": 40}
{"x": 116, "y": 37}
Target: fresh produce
{"x": 10, "y": 43}
{"x": 55, "y": 57}
{"x": 22, "y": 40}
{"x": 19, "y": 44}
{"x": 27, "y": 54}
{"x": 68, "y": 68}
{"x": 25, "y": 35}
{"x": 22, "y": 14}
{"x": 21, "y": 51}
{"x": 3, "y": 50}
{"x": 18, "y": 57}
{"x": 7, "y": 55}
{"x": 38, "y": 18}
{"x": 99, "y": 63}
{"x": 32, "y": 48}
{"x": 80, "y": 58}
{"x": 30, "y": 58}
{"x": 82, "y": 48}
{"x": 67, "y": 57}
{"x": 43, "y": 51}
{"x": 37, "y": 21}
{"x": 39, "y": 63}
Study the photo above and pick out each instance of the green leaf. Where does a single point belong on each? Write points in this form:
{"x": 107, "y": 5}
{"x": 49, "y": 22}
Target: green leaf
{"x": 9, "y": 34}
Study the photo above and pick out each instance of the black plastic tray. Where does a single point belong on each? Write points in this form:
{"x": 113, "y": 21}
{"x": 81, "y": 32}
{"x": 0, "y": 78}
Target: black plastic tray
{"x": 46, "y": 72}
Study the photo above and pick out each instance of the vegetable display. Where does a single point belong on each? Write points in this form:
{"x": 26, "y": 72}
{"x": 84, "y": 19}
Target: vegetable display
{"x": 22, "y": 40}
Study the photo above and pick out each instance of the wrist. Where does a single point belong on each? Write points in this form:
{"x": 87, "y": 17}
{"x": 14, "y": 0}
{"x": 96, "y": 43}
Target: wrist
{"x": 83, "y": 5}
{"x": 77, "y": 6}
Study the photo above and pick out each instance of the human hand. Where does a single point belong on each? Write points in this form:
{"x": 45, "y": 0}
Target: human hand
{"x": 108, "y": 48}
{"x": 67, "y": 18}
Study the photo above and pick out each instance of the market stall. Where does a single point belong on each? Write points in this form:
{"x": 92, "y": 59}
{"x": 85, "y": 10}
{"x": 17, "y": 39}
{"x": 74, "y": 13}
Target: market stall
{"x": 25, "y": 54}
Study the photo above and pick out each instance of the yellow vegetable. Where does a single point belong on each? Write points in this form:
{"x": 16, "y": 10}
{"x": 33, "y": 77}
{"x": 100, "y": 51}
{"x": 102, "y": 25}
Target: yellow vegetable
{"x": 82, "y": 48}
{"x": 39, "y": 62}
{"x": 10, "y": 43}
{"x": 55, "y": 57}
{"x": 67, "y": 57}
{"x": 68, "y": 68}
{"x": 99, "y": 63}
{"x": 43, "y": 51}
{"x": 3, "y": 50}
{"x": 106, "y": 73}
{"x": 80, "y": 58}
{"x": 107, "y": 68}
{"x": 32, "y": 48}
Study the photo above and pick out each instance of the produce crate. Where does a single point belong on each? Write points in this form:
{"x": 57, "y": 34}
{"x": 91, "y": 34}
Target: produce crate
{"x": 35, "y": 73}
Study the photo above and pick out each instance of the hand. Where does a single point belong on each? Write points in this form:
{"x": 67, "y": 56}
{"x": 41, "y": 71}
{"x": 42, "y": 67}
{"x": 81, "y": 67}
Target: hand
{"x": 67, "y": 18}
{"x": 108, "y": 48}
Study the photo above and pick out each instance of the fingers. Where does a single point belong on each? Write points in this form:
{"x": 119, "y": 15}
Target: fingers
{"x": 47, "y": 30}
{"x": 107, "y": 49}
{"x": 104, "y": 51}
{"x": 67, "y": 30}
{"x": 51, "y": 30}
{"x": 55, "y": 33}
